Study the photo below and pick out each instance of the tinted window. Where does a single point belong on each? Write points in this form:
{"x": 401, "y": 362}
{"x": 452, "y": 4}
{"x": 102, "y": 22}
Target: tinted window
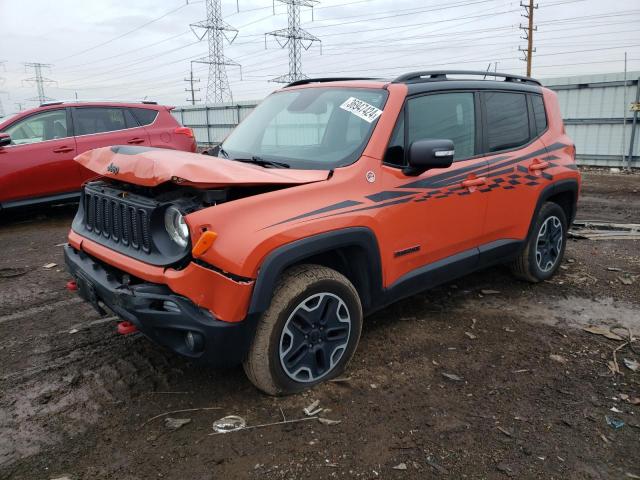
{"x": 448, "y": 116}
{"x": 98, "y": 120}
{"x": 539, "y": 113}
{"x": 144, "y": 116}
{"x": 507, "y": 120}
{"x": 39, "y": 127}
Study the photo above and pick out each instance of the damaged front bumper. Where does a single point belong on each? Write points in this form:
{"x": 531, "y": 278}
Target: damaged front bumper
{"x": 166, "y": 318}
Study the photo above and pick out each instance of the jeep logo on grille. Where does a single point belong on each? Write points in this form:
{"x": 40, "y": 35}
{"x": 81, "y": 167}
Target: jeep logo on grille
{"x": 113, "y": 169}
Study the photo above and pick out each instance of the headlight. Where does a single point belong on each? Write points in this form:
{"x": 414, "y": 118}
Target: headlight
{"x": 176, "y": 226}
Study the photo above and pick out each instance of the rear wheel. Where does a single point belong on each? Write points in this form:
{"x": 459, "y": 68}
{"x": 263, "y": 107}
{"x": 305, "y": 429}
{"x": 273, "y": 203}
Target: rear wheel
{"x": 308, "y": 334}
{"x": 545, "y": 246}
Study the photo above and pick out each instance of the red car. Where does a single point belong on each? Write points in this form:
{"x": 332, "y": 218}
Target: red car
{"x": 37, "y": 146}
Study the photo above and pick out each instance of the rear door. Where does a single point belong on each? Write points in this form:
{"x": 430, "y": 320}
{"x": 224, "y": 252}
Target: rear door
{"x": 515, "y": 154}
{"x": 97, "y": 127}
{"x": 39, "y": 161}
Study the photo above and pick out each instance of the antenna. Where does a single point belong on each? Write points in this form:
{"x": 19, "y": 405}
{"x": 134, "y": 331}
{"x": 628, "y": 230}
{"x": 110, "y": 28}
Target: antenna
{"x": 295, "y": 37}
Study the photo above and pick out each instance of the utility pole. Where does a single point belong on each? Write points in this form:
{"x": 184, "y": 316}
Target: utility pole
{"x": 2, "y": 62}
{"x": 39, "y": 80}
{"x": 20, "y": 106}
{"x": 528, "y": 34}
{"x": 192, "y": 90}
{"x": 295, "y": 38}
{"x": 216, "y": 30}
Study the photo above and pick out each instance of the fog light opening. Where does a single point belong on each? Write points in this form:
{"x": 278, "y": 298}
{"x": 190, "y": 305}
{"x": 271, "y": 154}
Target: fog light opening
{"x": 194, "y": 341}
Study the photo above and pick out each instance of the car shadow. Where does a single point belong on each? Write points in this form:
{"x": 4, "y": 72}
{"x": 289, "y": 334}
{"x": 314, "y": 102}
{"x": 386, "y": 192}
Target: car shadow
{"x": 49, "y": 214}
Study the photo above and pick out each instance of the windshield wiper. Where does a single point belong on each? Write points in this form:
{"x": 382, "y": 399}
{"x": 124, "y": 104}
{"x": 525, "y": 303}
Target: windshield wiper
{"x": 262, "y": 162}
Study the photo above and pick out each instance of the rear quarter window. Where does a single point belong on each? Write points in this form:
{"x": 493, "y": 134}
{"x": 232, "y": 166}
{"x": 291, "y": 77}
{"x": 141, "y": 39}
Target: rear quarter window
{"x": 144, "y": 116}
{"x": 507, "y": 120}
{"x": 539, "y": 113}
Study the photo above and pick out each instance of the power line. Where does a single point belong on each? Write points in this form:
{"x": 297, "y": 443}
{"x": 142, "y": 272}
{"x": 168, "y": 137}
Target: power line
{"x": 111, "y": 40}
{"x": 216, "y": 29}
{"x": 38, "y": 80}
{"x": 295, "y": 38}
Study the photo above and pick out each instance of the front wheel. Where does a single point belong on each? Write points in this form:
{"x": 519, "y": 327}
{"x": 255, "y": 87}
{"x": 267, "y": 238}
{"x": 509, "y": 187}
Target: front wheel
{"x": 309, "y": 332}
{"x": 545, "y": 246}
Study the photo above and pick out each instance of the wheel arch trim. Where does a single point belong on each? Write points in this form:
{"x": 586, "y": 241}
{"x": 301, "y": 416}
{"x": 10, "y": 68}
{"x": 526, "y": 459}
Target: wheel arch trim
{"x": 292, "y": 253}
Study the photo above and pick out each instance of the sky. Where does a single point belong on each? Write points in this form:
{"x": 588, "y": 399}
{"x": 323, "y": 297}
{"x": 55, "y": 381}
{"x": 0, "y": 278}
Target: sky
{"x": 142, "y": 49}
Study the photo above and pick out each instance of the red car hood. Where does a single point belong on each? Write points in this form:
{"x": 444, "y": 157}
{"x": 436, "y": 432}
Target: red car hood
{"x": 152, "y": 166}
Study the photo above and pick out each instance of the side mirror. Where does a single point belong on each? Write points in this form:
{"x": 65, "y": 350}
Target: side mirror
{"x": 5, "y": 139}
{"x": 427, "y": 154}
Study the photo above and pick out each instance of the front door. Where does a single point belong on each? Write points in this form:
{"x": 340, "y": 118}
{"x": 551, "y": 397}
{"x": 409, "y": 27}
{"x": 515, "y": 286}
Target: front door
{"x": 39, "y": 160}
{"x": 443, "y": 218}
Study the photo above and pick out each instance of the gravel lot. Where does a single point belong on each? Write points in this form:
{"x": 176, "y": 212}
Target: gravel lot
{"x": 530, "y": 394}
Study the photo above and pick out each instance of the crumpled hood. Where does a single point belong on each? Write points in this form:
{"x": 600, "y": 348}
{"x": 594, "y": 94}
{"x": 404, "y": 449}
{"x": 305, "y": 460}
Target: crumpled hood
{"x": 149, "y": 167}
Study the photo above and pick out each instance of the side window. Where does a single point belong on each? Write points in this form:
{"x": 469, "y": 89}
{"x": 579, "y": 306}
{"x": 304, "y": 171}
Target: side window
{"x": 144, "y": 116}
{"x": 40, "y": 127}
{"x": 507, "y": 120}
{"x": 539, "y": 113}
{"x": 449, "y": 116}
{"x": 97, "y": 120}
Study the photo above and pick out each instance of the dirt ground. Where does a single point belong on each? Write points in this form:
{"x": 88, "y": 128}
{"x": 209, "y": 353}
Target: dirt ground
{"x": 530, "y": 396}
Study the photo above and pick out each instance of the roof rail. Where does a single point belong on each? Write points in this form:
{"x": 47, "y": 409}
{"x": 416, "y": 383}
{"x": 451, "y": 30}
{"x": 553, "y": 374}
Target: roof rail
{"x": 304, "y": 81}
{"x": 63, "y": 102}
{"x": 436, "y": 75}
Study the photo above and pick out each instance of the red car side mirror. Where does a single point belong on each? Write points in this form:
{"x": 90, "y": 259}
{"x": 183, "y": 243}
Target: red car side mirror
{"x": 5, "y": 139}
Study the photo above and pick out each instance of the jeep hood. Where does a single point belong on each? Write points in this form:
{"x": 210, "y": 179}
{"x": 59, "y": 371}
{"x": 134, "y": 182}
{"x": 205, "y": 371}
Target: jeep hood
{"x": 149, "y": 167}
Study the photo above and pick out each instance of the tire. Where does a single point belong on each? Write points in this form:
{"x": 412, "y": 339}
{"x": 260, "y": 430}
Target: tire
{"x": 309, "y": 300}
{"x": 542, "y": 254}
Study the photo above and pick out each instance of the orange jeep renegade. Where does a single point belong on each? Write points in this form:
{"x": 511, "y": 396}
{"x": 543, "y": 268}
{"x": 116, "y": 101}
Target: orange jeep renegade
{"x": 334, "y": 198}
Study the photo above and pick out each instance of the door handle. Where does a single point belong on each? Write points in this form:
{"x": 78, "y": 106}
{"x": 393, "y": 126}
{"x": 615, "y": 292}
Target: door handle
{"x": 474, "y": 182}
{"x": 135, "y": 141}
{"x": 538, "y": 166}
{"x": 64, "y": 149}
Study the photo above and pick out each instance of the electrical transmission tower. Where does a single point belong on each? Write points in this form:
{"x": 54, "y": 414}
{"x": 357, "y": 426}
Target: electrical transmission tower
{"x": 295, "y": 38}
{"x": 39, "y": 80}
{"x": 528, "y": 34}
{"x": 216, "y": 30}
{"x": 192, "y": 90}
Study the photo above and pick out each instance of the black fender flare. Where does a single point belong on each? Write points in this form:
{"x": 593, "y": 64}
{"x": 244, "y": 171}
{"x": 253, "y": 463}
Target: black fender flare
{"x": 568, "y": 185}
{"x": 287, "y": 255}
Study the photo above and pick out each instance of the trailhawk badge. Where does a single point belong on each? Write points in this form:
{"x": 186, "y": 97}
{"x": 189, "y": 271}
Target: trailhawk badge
{"x": 113, "y": 169}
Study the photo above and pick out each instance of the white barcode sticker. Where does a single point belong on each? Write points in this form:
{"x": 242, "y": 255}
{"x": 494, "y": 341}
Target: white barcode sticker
{"x": 361, "y": 109}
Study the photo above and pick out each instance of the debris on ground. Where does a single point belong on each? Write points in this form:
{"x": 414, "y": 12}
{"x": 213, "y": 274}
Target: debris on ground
{"x": 438, "y": 468}
{"x": 400, "y": 466}
{"x": 506, "y": 469}
{"x": 632, "y": 365}
{"x": 508, "y": 433}
{"x": 452, "y": 376}
{"x": 328, "y": 421}
{"x": 487, "y": 291}
{"x": 471, "y": 335}
{"x": 605, "y": 332}
{"x": 175, "y": 423}
{"x": 179, "y": 411}
{"x": 557, "y": 358}
{"x": 312, "y": 409}
{"x": 49, "y": 266}
{"x": 592, "y": 230}
{"x": 613, "y": 422}
{"x": 230, "y": 423}
{"x": 626, "y": 280}
{"x": 233, "y": 418}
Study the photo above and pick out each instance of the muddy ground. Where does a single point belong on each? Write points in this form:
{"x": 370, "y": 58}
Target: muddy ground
{"x": 532, "y": 400}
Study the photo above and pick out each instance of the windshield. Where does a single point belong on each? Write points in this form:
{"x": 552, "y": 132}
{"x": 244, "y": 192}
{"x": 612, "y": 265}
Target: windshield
{"x": 313, "y": 128}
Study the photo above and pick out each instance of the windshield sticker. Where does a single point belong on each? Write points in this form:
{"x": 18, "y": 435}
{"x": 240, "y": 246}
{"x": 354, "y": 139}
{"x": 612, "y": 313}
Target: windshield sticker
{"x": 361, "y": 109}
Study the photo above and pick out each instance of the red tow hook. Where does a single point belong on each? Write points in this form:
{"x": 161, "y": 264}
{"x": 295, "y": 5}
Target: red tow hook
{"x": 72, "y": 286}
{"x": 126, "y": 328}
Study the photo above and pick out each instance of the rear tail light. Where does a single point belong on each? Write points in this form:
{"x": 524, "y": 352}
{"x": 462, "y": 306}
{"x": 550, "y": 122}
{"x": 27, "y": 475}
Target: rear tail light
{"x": 184, "y": 131}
